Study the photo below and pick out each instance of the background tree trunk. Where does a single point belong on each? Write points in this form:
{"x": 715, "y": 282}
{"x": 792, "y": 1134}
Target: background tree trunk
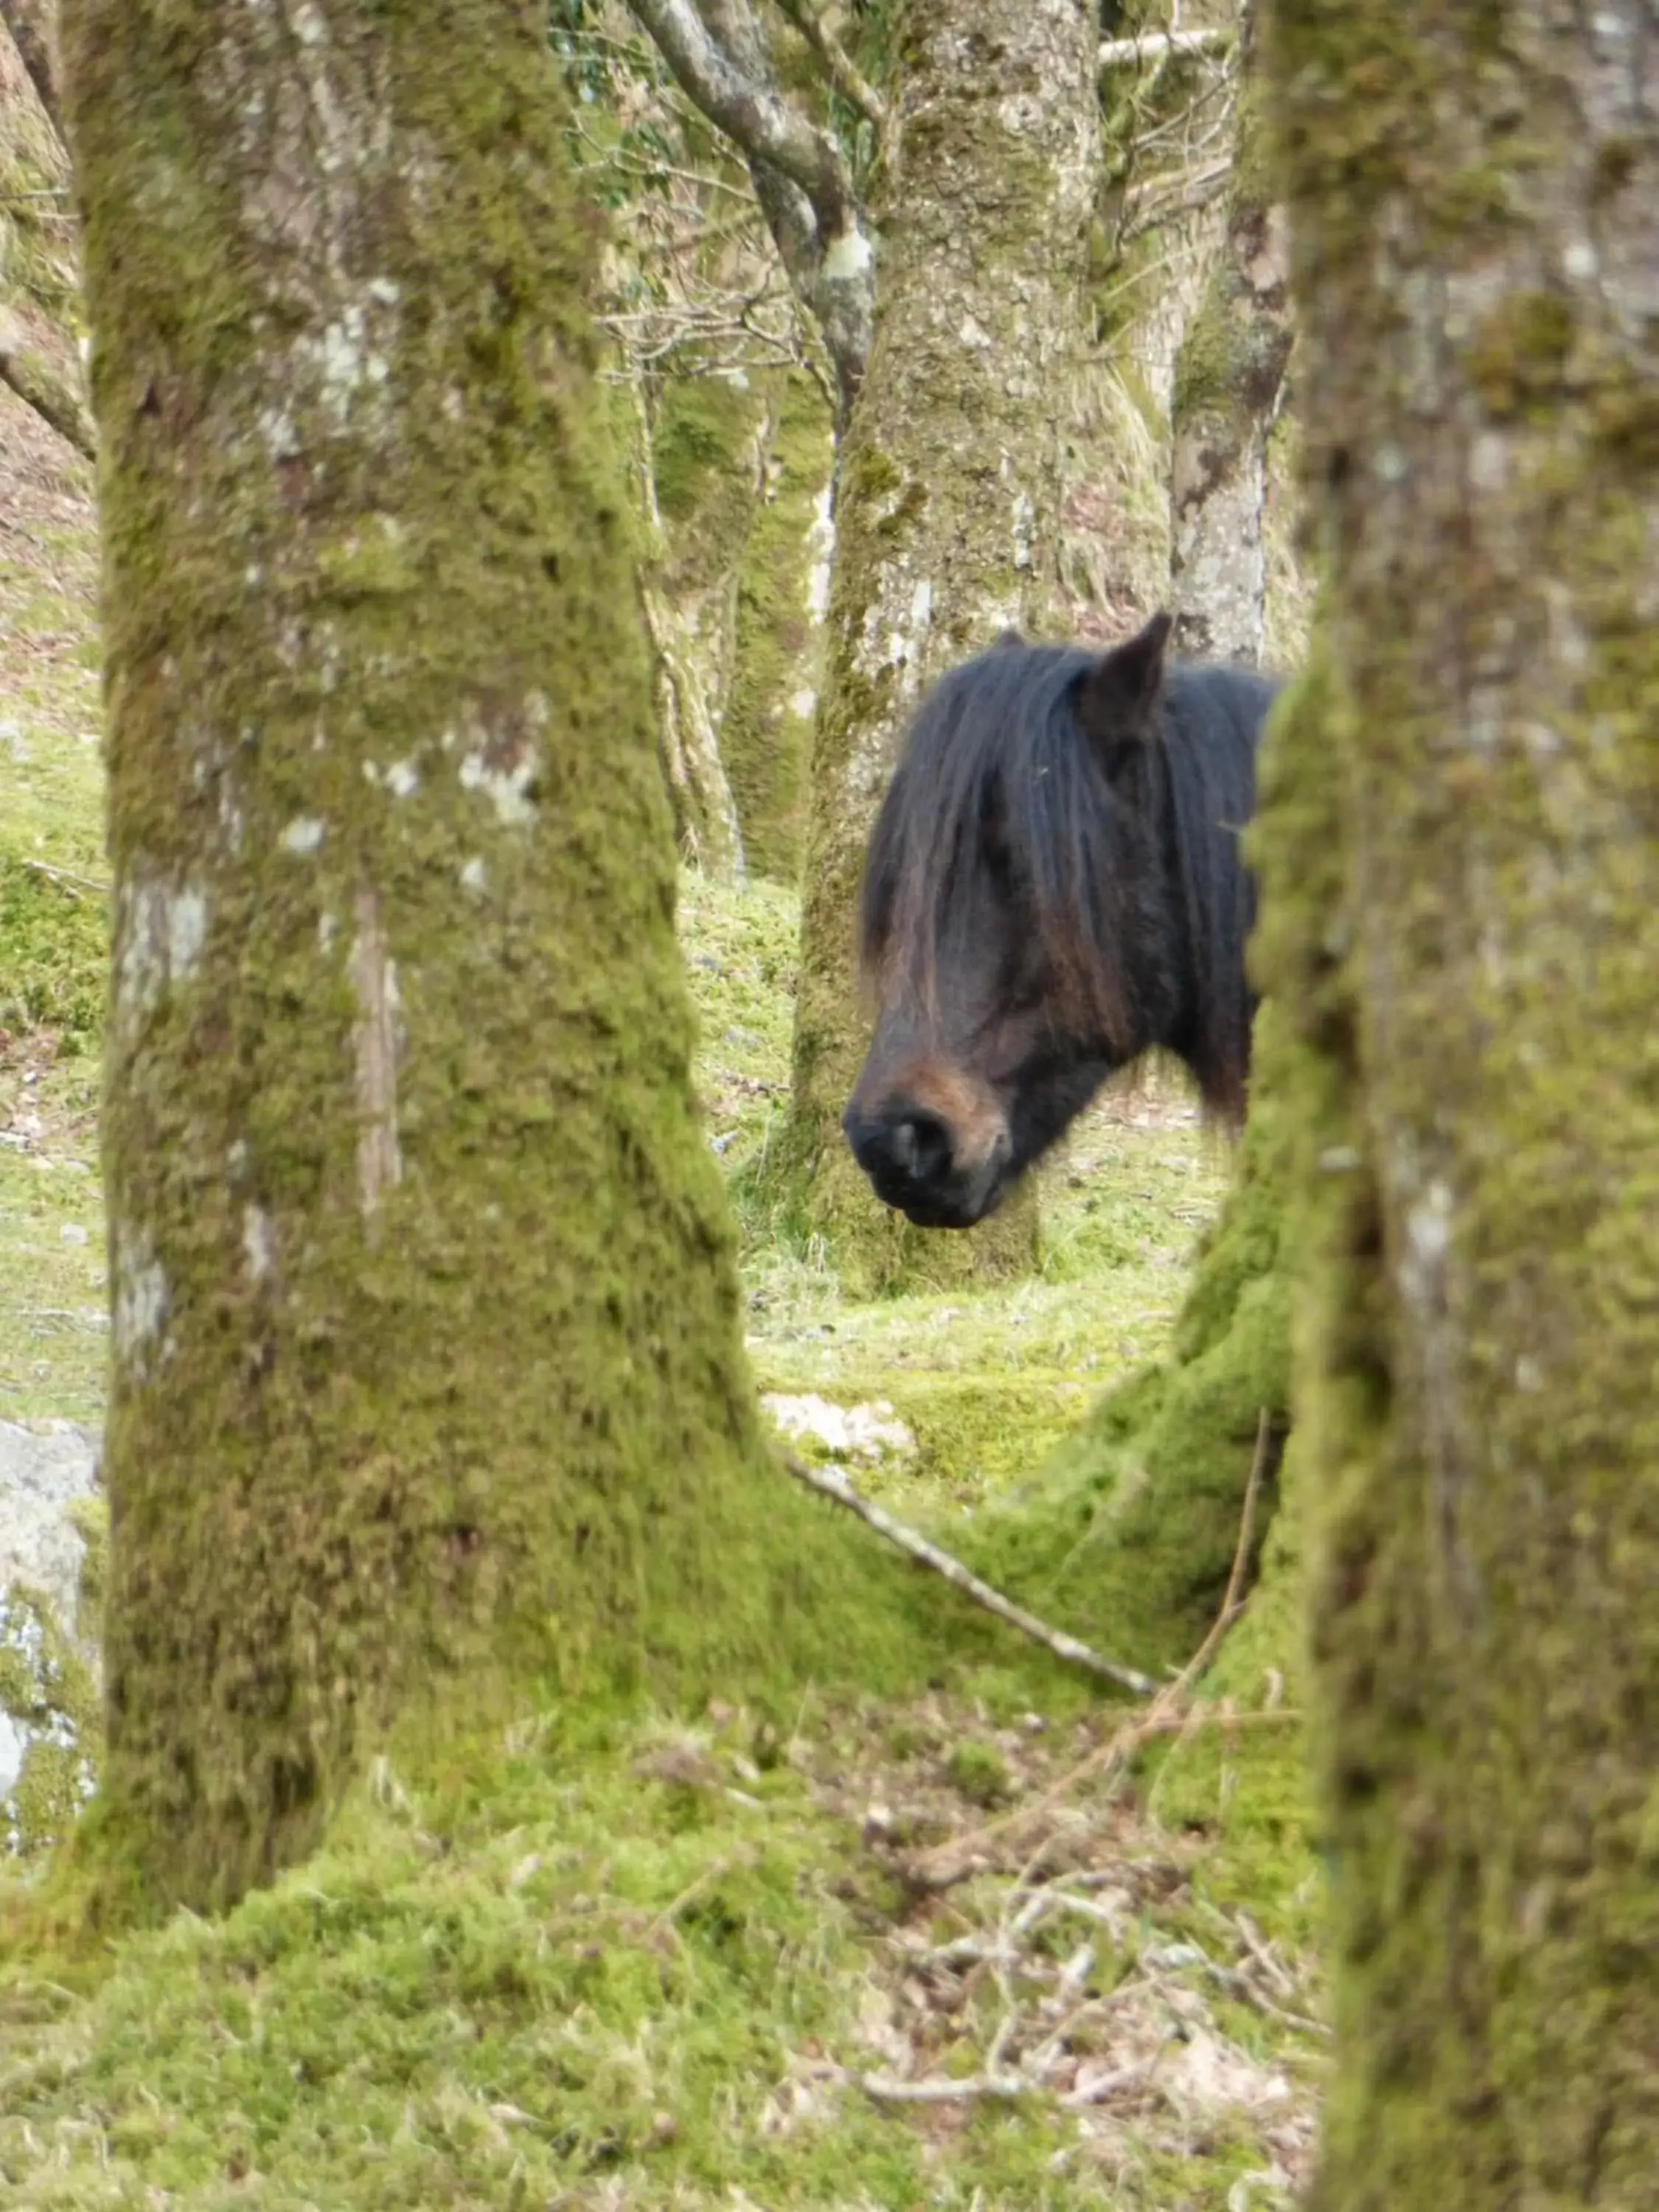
{"x": 427, "y": 1374}
{"x": 1471, "y": 194}
{"x": 733, "y": 474}
{"x": 782, "y": 593}
{"x": 1228, "y": 377}
{"x": 1131, "y": 1529}
{"x": 698, "y": 443}
{"x": 948, "y": 496}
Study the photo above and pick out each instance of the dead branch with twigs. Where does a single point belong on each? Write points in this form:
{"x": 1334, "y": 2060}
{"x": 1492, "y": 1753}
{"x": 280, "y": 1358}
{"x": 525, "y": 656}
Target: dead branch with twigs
{"x": 1171, "y": 1712}
{"x": 1084, "y": 2001}
{"x": 719, "y": 56}
{"x": 691, "y": 282}
{"x": 1089, "y": 2007}
{"x": 66, "y": 879}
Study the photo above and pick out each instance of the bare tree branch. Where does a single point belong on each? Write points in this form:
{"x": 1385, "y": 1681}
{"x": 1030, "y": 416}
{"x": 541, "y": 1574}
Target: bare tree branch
{"x": 761, "y": 123}
{"x": 718, "y": 56}
{"x": 36, "y": 381}
{"x": 1161, "y": 46}
{"x": 839, "y": 67}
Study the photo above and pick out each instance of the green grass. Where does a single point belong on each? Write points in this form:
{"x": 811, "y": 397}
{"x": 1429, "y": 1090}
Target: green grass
{"x": 54, "y": 1314}
{"x": 642, "y": 1962}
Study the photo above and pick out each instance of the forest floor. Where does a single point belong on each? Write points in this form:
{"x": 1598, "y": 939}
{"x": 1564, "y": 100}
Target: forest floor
{"x": 992, "y": 1949}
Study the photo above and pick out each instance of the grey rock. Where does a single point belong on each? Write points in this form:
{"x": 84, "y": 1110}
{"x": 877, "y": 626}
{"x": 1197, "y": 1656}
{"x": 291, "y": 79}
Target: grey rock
{"x": 45, "y": 1467}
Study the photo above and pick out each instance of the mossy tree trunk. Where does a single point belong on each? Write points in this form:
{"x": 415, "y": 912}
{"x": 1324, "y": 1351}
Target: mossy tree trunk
{"x": 427, "y": 1376}
{"x": 766, "y": 735}
{"x": 733, "y": 474}
{"x": 1228, "y": 376}
{"x": 948, "y": 495}
{"x": 697, "y": 453}
{"x": 1471, "y": 193}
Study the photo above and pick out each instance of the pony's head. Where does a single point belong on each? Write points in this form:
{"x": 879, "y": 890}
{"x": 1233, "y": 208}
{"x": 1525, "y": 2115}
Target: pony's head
{"x": 1028, "y": 922}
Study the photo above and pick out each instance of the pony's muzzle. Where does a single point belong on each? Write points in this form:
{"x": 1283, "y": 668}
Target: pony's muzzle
{"x": 944, "y": 1171}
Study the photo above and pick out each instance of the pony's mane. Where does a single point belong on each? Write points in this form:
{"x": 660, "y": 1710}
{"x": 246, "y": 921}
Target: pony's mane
{"x": 997, "y": 773}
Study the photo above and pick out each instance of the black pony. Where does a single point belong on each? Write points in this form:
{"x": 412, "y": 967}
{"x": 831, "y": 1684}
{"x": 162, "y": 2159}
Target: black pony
{"x": 1053, "y": 885}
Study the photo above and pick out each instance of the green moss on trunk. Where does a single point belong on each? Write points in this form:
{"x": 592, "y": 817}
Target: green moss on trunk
{"x": 767, "y": 733}
{"x": 696, "y": 440}
{"x": 427, "y": 1379}
{"x": 1474, "y": 996}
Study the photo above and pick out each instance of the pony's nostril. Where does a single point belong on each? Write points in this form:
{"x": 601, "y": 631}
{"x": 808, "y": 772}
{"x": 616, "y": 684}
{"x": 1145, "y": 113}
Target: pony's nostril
{"x": 921, "y": 1147}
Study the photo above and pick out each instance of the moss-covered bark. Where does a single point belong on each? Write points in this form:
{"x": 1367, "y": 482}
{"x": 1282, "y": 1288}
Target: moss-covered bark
{"x": 698, "y": 443}
{"x": 734, "y": 473}
{"x": 37, "y": 276}
{"x": 948, "y": 493}
{"x": 1471, "y": 192}
{"x": 427, "y": 1377}
{"x": 766, "y": 734}
{"x": 1228, "y": 377}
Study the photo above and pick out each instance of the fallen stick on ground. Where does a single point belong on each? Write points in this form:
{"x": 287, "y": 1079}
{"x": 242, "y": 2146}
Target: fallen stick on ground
{"x": 829, "y": 1482}
{"x": 66, "y": 878}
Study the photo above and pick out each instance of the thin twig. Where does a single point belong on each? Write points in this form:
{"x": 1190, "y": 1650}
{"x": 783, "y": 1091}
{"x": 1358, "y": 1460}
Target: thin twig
{"x": 1241, "y": 1985}
{"x": 830, "y": 1483}
{"x": 66, "y": 878}
{"x": 1232, "y": 1603}
{"x": 694, "y": 1889}
{"x": 1104, "y": 2085}
{"x": 1260, "y": 1951}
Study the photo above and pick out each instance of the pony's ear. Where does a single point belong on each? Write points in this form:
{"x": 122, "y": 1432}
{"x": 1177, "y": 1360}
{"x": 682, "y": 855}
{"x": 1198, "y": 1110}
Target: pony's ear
{"x": 1116, "y": 697}
{"x": 1007, "y": 637}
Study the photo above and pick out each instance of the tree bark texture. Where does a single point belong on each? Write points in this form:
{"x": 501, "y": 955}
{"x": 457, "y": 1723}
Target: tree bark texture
{"x": 39, "y": 277}
{"x": 697, "y": 451}
{"x": 1228, "y": 376}
{"x": 427, "y": 1377}
{"x": 948, "y": 494}
{"x": 1477, "y": 276}
{"x": 766, "y": 731}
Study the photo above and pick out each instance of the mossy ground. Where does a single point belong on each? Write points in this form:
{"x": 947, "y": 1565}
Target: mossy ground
{"x": 625, "y": 1959}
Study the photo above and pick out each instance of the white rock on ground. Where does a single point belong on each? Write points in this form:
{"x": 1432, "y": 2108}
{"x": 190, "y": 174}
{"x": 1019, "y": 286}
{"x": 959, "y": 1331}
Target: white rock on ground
{"x": 45, "y": 1468}
{"x": 869, "y": 1432}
